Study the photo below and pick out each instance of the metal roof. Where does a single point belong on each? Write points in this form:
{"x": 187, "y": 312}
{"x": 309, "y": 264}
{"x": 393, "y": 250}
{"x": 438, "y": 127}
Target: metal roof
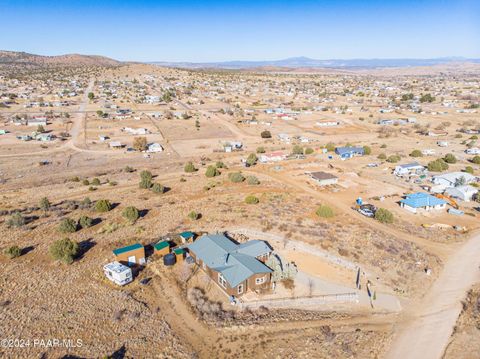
{"x": 420, "y": 199}
{"x": 236, "y": 262}
{"x": 127, "y": 249}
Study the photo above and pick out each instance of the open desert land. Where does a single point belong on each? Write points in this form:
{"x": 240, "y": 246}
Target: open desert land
{"x": 238, "y": 153}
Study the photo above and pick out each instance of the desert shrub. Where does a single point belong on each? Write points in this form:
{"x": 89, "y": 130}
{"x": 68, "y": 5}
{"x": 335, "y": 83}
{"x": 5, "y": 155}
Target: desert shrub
{"x": 382, "y": 156}
{"x": 131, "y": 214}
{"x": 193, "y": 215}
{"x": 74, "y": 179}
{"x": 324, "y": 211}
{"x": 64, "y": 250}
{"x": 367, "y": 150}
{"x": 67, "y": 225}
{"x": 450, "y": 158}
{"x": 393, "y": 158}
{"x": 44, "y": 204}
{"x": 261, "y": 149}
{"x": 384, "y": 215}
{"x": 309, "y": 151}
{"x": 145, "y": 179}
{"x": 212, "y": 171}
{"x": 416, "y": 153}
{"x": 91, "y": 188}
{"x": 469, "y": 169}
{"x": 140, "y": 143}
{"x": 129, "y": 169}
{"x": 13, "y": 252}
{"x": 330, "y": 147}
{"x": 383, "y": 145}
{"x": 85, "y": 222}
{"x": 86, "y": 182}
{"x": 158, "y": 188}
{"x": 251, "y": 199}
{"x": 95, "y": 182}
{"x": 87, "y": 202}
{"x": 252, "y": 159}
{"x": 220, "y": 164}
{"x": 103, "y": 205}
{"x": 266, "y": 134}
{"x": 297, "y": 150}
{"x": 189, "y": 167}
{"x": 252, "y": 180}
{"x": 437, "y": 165}
{"x": 476, "y": 160}
{"x": 236, "y": 177}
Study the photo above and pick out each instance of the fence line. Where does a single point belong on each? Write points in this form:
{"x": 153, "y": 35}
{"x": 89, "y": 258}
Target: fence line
{"x": 301, "y": 301}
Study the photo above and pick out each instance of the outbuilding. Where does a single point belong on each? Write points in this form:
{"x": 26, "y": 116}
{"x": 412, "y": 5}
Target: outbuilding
{"x": 324, "y": 178}
{"x": 130, "y": 255}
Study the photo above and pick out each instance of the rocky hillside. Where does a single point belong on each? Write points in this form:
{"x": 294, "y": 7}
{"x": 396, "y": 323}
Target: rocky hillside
{"x": 70, "y": 60}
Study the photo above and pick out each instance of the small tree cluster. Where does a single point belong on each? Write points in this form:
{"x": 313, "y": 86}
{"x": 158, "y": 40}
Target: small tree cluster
{"x": 145, "y": 180}
{"x": 437, "y": 165}
{"x": 131, "y": 214}
{"x": 64, "y": 250}
{"x": 416, "y": 153}
{"x": 67, "y": 225}
{"x": 252, "y": 180}
{"x": 103, "y": 205}
{"x": 384, "y": 215}
{"x": 212, "y": 171}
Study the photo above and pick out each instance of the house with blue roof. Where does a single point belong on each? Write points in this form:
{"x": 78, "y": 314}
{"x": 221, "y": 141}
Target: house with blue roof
{"x": 236, "y": 268}
{"x": 349, "y": 152}
{"x": 421, "y": 201}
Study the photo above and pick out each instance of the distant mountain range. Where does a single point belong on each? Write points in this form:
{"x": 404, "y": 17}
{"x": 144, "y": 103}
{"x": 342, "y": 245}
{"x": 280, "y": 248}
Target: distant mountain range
{"x": 13, "y": 58}
{"x": 305, "y": 62}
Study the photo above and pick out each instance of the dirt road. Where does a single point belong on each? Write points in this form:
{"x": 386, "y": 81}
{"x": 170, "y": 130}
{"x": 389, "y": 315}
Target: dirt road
{"x": 426, "y": 331}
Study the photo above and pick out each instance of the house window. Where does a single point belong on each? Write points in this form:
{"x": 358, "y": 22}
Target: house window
{"x": 240, "y": 289}
{"x": 222, "y": 281}
{"x": 260, "y": 280}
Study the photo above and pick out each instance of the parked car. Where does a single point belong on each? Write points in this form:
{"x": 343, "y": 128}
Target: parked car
{"x": 368, "y": 210}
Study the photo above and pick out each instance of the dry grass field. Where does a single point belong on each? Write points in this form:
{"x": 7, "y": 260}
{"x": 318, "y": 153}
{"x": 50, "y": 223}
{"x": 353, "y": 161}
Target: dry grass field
{"x": 161, "y": 313}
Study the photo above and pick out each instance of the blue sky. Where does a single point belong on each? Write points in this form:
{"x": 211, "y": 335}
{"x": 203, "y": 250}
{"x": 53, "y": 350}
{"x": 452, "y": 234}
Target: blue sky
{"x": 214, "y": 30}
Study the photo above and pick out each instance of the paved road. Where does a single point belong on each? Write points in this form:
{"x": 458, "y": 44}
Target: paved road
{"x": 426, "y": 332}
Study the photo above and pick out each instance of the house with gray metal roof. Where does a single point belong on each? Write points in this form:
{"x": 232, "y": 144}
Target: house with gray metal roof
{"x": 236, "y": 268}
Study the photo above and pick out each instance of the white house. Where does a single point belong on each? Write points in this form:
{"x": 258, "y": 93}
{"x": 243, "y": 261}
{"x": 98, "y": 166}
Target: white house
{"x": 327, "y": 123}
{"x": 451, "y": 180}
{"x": 464, "y": 193}
{"x": 118, "y": 273}
{"x": 154, "y": 147}
{"x": 272, "y": 157}
{"x": 402, "y": 170}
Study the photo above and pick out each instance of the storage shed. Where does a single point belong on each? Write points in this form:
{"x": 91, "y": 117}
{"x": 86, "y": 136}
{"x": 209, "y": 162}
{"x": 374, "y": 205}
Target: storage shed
{"x": 130, "y": 255}
{"x": 162, "y": 248}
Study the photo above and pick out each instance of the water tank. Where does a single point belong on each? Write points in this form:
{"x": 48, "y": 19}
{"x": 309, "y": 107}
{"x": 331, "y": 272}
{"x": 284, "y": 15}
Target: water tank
{"x": 169, "y": 259}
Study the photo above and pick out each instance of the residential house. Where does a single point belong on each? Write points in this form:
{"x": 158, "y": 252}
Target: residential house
{"x": 154, "y": 147}
{"x": 236, "y": 268}
{"x": 422, "y": 202}
{"x": 437, "y": 133}
{"x": 465, "y": 193}
{"x": 327, "y": 123}
{"x": 116, "y": 144}
{"x": 276, "y": 156}
{"x": 409, "y": 168}
{"x": 349, "y": 152}
{"x": 451, "y": 179}
{"x": 324, "y": 178}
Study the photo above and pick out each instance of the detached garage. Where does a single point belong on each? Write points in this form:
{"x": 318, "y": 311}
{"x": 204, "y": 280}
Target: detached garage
{"x": 324, "y": 178}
